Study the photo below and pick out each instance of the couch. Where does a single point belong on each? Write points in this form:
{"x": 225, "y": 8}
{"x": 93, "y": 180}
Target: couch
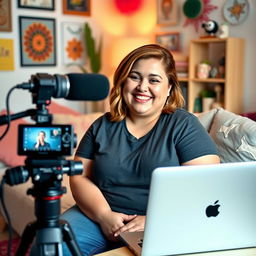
{"x": 234, "y": 135}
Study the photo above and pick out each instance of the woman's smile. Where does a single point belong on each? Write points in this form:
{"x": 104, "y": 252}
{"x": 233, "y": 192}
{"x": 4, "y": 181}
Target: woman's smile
{"x": 146, "y": 88}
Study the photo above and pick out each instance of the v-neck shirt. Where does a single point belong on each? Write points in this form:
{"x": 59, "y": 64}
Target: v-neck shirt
{"x": 123, "y": 164}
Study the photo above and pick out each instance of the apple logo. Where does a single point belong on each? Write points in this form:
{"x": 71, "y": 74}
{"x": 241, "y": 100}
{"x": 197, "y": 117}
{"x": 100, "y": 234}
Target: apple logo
{"x": 212, "y": 210}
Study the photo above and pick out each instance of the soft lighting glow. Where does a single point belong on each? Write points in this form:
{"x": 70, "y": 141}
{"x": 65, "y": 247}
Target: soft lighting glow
{"x": 123, "y": 46}
{"x": 111, "y": 21}
{"x": 144, "y": 21}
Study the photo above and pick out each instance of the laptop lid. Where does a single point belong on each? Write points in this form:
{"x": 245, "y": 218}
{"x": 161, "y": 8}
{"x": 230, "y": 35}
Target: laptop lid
{"x": 200, "y": 209}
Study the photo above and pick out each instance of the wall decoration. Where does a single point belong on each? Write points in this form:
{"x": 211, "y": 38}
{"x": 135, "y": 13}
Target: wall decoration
{"x": 36, "y": 4}
{"x": 6, "y": 55}
{"x": 197, "y": 12}
{"x": 167, "y": 12}
{"x": 5, "y": 16}
{"x": 236, "y": 11}
{"x": 73, "y": 43}
{"x": 128, "y": 7}
{"x": 170, "y": 40}
{"x": 37, "y": 41}
{"x": 79, "y": 7}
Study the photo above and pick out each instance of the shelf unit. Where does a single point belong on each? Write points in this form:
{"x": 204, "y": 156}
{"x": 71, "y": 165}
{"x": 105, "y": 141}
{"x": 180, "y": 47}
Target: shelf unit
{"x": 213, "y": 49}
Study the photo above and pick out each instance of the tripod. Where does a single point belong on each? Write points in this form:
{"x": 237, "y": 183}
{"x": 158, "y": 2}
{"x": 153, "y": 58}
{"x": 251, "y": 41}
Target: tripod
{"x": 48, "y": 230}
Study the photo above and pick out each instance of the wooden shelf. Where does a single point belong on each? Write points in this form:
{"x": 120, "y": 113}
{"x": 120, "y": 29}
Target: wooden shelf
{"x": 213, "y": 49}
{"x": 209, "y": 80}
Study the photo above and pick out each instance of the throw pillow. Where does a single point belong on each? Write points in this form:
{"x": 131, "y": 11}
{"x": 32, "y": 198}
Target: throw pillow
{"x": 235, "y": 136}
{"x": 206, "y": 118}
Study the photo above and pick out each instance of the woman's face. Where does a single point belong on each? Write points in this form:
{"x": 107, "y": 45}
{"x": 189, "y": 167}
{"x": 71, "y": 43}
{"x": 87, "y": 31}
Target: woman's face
{"x": 146, "y": 88}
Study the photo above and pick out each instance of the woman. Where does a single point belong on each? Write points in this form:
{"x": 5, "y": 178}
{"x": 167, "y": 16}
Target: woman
{"x": 146, "y": 128}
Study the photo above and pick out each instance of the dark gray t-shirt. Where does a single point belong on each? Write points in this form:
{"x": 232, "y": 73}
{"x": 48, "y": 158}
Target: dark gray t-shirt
{"x": 123, "y": 164}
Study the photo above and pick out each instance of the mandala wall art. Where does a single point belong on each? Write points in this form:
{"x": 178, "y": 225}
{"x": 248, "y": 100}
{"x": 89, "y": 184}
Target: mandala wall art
{"x": 38, "y": 45}
{"x": 73, "y": 43}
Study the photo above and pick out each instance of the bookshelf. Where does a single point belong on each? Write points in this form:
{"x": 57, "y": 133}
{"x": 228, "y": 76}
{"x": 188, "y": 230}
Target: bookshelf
{"x": 213, "y": 49}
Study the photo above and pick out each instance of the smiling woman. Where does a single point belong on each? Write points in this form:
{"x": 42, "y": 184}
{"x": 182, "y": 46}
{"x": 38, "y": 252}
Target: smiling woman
{"x": 146, "y": 128}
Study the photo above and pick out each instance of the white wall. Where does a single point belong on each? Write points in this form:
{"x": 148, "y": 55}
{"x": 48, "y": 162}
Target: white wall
{"x": 116, "y": 30}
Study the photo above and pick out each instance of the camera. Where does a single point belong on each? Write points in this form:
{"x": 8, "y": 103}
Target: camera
{"x": 46, "y": 140}
{"x": 45, "y": 145}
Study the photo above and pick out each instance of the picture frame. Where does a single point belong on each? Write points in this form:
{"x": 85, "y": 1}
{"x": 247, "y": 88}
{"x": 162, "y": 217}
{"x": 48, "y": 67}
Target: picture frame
{"x": 73, "y": 43}
{"x": 6, "y": 16}
{"x": 169, "y": 40}
{"x": 77, "y": 8}
{"x": 7, "y": 54}
{"x": 167, "y": 12}
{"x": 37, "y": 41}
{"x": 48, "y": 5}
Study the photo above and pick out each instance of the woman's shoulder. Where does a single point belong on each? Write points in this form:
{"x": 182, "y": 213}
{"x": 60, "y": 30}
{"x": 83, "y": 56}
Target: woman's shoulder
{"x": 180, "y": 114}
{"x": 103, "y": 121}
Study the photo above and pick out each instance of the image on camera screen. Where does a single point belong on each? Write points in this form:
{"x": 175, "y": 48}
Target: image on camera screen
{"x": 42, "y": 139}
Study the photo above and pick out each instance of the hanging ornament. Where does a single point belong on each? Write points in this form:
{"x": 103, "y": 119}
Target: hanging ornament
{"x": 197, "y": 12}
{"x": 128, "y": 7}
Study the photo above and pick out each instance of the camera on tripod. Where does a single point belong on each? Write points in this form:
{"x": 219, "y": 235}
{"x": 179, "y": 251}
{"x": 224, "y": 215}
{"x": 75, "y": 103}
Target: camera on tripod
{"x": 46, "y": 145}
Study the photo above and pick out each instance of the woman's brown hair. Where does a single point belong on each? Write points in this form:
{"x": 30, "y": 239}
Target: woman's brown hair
{"x": 118, "y": 109}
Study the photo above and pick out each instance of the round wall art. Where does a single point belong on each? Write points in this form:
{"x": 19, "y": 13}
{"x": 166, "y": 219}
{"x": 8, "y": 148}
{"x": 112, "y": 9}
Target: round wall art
{"x": 236, "y": 11}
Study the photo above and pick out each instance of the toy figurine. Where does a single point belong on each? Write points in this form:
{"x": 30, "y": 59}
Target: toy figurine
{"x": 224, "y": 31}
{"x": 211, "y": 27}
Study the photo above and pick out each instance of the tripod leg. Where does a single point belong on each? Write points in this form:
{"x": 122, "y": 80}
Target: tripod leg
{"x": 48, "y": 242}
{"x": 69, "y": 238}
{"x": 26, "y": 239}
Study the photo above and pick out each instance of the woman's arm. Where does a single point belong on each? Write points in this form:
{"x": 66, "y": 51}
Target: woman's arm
{"x": 91, "y": 201}
{"x": 207, "y": 159}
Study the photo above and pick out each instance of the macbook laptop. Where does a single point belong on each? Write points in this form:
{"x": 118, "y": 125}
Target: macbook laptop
{"x": 201, "y": 208}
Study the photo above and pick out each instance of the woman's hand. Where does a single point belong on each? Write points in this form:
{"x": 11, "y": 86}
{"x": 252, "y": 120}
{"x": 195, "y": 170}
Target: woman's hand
{"x": 111, "y": 222}
{"x": 135, "y": 224}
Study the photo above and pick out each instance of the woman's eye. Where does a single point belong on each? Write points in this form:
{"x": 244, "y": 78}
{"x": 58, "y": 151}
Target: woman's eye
{"x": 154, "y": 81}
{"x": 134, "y": 77}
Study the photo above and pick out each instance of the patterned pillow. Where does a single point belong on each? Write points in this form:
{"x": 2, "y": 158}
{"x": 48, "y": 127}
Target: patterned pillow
{"x": 235, "y": 136}
{"x": 206, "y": 118}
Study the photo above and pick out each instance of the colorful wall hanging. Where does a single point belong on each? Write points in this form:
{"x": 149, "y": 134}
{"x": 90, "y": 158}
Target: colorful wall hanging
{"x": 77, "y": 7}
{"x": 169, "y": 40}
{"x": 73, "y": 43}
{"x": 37, "y": 4}
{"x": 37, "y": 41}
{"x": 6, "y": 55}
{"x": 5, "y": 15}
{"x": 167, "y": 12}
{"x": 197, "y": 11}
{"x": 236, "y": 11}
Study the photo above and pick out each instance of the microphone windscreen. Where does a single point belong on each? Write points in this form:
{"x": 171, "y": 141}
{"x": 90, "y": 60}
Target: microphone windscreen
{"x": 91, "y": 87}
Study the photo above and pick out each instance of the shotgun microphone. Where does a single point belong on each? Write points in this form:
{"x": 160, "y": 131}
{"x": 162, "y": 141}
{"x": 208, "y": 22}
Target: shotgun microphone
{"x": 73, "y": 86}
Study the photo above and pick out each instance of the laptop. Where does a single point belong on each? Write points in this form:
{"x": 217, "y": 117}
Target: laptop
{"x": 200, "y": 208}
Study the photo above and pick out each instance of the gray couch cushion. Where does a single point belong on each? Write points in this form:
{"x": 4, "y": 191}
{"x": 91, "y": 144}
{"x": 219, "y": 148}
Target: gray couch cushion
{"x": 234, "y": 135}
{"x": 206, "y": 118}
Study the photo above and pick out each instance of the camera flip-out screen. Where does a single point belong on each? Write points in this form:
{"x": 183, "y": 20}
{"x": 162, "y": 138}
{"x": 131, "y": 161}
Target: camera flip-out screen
{"x": 52, "y": 140}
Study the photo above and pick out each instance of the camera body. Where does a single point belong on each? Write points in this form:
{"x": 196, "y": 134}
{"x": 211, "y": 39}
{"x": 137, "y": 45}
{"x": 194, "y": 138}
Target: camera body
{"x": 46, "y": 140}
